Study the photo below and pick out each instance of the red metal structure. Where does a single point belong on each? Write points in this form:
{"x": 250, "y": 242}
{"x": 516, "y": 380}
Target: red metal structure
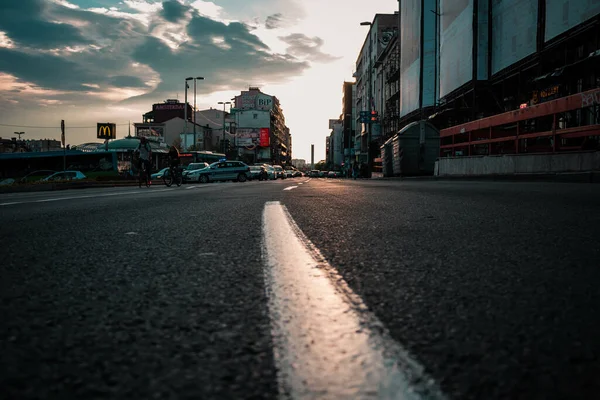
{"x": 558, "y": 125}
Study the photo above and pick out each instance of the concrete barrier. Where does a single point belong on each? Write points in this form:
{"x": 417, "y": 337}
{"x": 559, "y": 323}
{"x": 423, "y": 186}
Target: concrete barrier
{"x": 513, "y": 164}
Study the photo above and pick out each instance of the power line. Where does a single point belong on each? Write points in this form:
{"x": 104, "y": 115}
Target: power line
{"x": 56, "y": 127}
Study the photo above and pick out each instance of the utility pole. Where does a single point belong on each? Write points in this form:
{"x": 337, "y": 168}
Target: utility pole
{"x": 62, "y": 139}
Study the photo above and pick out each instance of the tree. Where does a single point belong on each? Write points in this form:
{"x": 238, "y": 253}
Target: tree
{"x": 321, "y": 166}
{"x": 177, "y": 144}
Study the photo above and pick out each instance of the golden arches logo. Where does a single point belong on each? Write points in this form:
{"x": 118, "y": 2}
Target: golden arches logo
{"x": 106, "y": 131}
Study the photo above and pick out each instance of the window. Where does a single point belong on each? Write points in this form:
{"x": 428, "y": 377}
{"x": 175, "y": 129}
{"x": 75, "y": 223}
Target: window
{"x": 255, "y": 116}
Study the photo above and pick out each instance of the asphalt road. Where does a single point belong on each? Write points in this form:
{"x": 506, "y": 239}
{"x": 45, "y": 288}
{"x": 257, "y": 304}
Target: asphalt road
{"x": 160, "y": 293}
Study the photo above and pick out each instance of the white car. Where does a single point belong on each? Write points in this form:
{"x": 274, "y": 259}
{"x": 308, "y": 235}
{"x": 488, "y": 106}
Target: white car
{"x": 65, "y": 176}
{"x": 191, "y": 173}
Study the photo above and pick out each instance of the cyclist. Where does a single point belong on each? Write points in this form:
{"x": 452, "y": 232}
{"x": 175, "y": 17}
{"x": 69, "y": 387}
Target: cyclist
{"x": 173, "y": 160}
{"x": 145, "y": 155}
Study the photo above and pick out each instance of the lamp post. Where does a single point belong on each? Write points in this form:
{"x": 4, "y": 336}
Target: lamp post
{"x": 370, "y": 90}
{"x": 198, "y": 78}
{"x": 19, "y": 134}
{"x": 223, "y": 140}
{"x": 185, "y": 116}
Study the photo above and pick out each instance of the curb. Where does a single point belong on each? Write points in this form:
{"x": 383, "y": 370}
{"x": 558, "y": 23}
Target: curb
{"x": 564, "y": 177}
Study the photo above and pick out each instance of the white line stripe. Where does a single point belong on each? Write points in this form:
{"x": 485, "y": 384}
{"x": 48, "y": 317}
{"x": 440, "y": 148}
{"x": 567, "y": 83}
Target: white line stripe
{"x": 190, "y": 187}
{"x": 80, "y": 197}
{"x": 326, "y": 342}
{"x": 290, "y": 187}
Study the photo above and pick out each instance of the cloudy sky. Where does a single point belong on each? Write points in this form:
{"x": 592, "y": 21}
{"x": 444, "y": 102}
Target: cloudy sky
{"x": 88, "y": 61}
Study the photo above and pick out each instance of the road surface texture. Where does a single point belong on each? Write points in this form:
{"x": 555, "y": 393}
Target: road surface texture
{"x": 490, "y": 287}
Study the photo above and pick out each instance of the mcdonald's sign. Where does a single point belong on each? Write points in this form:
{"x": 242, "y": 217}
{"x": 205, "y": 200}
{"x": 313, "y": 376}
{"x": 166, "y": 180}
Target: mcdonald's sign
{"x": 106, "y": 130}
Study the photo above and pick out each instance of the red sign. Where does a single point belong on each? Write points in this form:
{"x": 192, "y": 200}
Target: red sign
{"x": 264, "y": 137}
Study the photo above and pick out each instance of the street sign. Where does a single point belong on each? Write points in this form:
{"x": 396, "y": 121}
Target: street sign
{"x": 106, "y": 130}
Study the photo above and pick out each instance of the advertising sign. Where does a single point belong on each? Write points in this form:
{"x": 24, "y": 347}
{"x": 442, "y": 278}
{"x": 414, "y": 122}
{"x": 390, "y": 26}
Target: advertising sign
{"x": 514, "y": 31}
{"x": 151, "y": 132}
{"x": 106, "y": 130}
{"x": 265, "y": 139}
{"x": 160, "y": 107}
{"x": 564, "y": 15}
{"x": 456, "y": 44}
{"x": 410, "y": 39}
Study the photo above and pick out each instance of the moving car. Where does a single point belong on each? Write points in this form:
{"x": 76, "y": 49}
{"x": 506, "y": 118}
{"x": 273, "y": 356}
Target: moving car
{"x": 225, "y": 171}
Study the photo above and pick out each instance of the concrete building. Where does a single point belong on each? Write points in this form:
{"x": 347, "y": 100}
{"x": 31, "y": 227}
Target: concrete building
{"x": 369, "y": 85}
{"x": 388, "y": 72}
{"x": 260, "y": 131}
{"x": 300, "y": 163}
{"x": 348, "y": 118}
{"x": 336, "y": 144}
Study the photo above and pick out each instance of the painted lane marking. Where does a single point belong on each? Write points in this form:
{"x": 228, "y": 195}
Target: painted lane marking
{"x": 80, "y": 197}
{"x": 290, "y": 187}
{"x": 326, "y": 342}
{"x": 191, "y": 187}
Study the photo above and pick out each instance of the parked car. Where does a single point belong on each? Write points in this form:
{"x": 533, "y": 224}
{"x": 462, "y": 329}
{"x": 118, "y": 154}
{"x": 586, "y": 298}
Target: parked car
{"x": 279, "y": 172}
{"x": 258, "y": 172}
{"x": 36, "y": 176}
{"x": 289, "y": 173}
{"x": 7, "y": 182}
{"x": 333, "y": 174}
{"x": 192, "y": 174}
{"x": 159, "y": 175}
{"x": 225, "y": 171}
{"x": 314, "y": 173}
{"x": 65, "y": 176}
{"x": 297, "y": 174}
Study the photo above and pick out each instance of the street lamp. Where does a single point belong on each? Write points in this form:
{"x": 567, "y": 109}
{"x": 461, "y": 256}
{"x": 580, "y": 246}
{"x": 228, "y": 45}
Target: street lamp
{"x": 223, "y": 139}
{"x": 185, "y": 109}
{"x": 370, "y": 90}
{"x": 199, "y": 78}
{"x": 19, "y": 134}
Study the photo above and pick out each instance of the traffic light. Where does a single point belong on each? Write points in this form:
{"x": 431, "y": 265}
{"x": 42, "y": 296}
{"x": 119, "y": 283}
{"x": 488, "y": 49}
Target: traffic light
{"x": 374, "y": 116}
{"x": 227, "y": 145}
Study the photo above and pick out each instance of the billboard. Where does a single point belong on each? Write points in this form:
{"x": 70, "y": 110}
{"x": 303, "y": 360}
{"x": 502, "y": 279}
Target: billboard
{"x": 152, "y": 132}
{"x": 252, "y": 137}
{"x": 456, "y": 44}
{"x": 514, "y": 28}
{"x": 429, "y": 54}
{"x": 252, "y": 100}
{"x": 410, "y": 44}
{"x": 106, "y": 130}
{"x": 167, "y": 106}
{"x": 265, "y": 137}
{"x": 564, "y": 15}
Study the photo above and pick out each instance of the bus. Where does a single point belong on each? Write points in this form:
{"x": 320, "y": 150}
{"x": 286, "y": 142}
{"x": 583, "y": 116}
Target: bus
{"x": 200, "y": 156}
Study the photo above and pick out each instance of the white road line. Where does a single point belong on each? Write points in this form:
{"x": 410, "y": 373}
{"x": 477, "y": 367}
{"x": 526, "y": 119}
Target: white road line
{"x": 326, "y": 342}
{"x": 290, "y": 187}
{"x": 190, "y": 187}
{"x": 80, "y": 197}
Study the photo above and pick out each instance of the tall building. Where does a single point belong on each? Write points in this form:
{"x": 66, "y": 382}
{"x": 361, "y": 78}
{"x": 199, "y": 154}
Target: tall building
{"x": 369, "y": 85}
{"x": 260, "y": 131}
{"x": 348, "y": 118}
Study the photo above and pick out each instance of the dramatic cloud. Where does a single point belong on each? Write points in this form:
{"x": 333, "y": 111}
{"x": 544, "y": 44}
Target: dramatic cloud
{"x": 25, "y": 23}
{"x": 141, "y": 51}
{"x": 304, "y": 47}
{"x": 274, "y": 21}
{"x": 173, "y": 10}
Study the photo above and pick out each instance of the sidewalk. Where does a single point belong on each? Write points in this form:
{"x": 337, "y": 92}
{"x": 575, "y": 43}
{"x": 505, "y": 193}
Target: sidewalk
{"x": 568, "y": 177}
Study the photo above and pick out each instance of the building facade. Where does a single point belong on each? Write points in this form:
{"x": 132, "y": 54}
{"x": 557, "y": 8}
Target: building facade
{"x": 260, "y": 129}
{"x": 370, "y": 85}
{"x": 348, "y": 118}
